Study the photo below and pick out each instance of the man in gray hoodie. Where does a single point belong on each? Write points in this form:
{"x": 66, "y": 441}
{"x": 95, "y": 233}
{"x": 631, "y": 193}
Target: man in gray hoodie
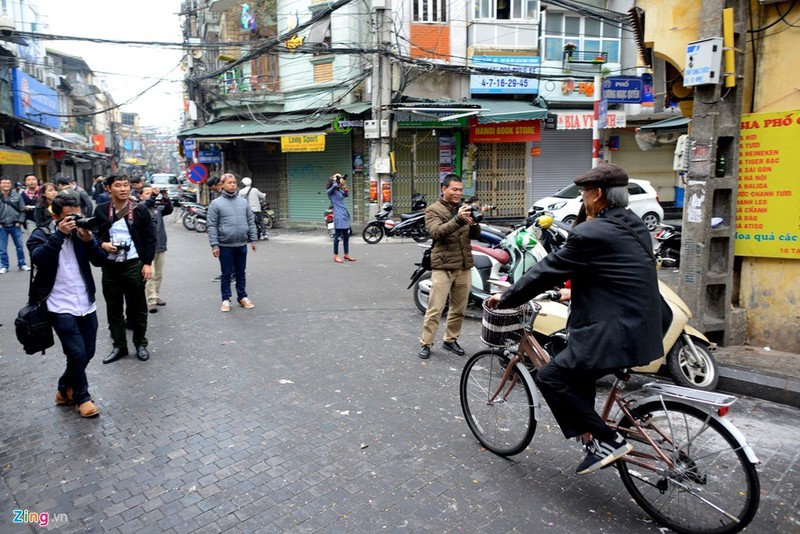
{"x": 231, "y": 226}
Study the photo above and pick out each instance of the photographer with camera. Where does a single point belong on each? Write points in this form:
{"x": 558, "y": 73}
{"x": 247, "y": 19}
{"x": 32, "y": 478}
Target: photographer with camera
{"x": 62, "y": 252}
{"x": 337, "y": 192}
{"x": 128, "y": 235}
{"x": 451, "y": 225}
{"x": 159, "y": 205}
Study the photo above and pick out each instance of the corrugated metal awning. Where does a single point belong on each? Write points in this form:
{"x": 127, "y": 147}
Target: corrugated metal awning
{"x": 673, "y": 123}
{"x": 507, "y": 111}
{"x": 231, "y": 130}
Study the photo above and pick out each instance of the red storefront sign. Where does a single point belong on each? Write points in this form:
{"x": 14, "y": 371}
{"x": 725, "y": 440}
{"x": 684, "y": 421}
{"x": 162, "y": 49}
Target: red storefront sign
{"x": 505, "y": 132}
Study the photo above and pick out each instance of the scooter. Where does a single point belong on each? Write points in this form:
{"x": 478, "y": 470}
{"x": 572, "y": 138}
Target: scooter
{"x": 687, "y": 352}
{"x": 329, "y": 221}
{"x": 200, "y": 215}
{"x": 411, "y": 224}
{"x": 492, "y": 269}
{"x": 669, "y": 244}
{"x": 268, "y": 215}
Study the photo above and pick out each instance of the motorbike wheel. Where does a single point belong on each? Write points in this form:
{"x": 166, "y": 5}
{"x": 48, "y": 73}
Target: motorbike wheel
{"x": 200, "y": 226}
{"x": 422, "y": 290}
{"x": 672, "y": 254}
{"x": 188, "y": 222}
{"x": 703, "y": 375}
{"x": 268, "y": 221}
{"x": 422, "y": 236}
{"x": 373, "y": 232}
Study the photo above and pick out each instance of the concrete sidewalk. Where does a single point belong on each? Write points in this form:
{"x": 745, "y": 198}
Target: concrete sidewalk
{"x": 760, "y": 373}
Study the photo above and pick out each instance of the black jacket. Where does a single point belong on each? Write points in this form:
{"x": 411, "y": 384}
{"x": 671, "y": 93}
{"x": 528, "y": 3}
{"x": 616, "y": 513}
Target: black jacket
{"x": 44, "y": 247}
{"x": 142, "y": 230}
{"x": 615, "y": 318}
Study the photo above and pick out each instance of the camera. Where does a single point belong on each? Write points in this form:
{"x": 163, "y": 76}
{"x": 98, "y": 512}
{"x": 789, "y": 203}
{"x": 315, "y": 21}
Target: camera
{"x": 87, "y": 223}
{"x": 476, "y": 213}
{"x": 121, "y": 255}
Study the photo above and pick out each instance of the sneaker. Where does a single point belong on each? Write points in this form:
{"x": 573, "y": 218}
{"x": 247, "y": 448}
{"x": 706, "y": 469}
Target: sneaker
{"x": 602, "y": 453}
{"x": 453, "y": 347}
{"x": 218, "y": 277}
{"x": 246, "y": 303}
{"x": 24, "y": 268}
{"x": 3, "y": 270}
{"x": 226, "y": 306}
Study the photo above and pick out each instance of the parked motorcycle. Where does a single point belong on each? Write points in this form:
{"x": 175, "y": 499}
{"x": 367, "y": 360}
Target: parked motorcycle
{"x": 411, "y": 224}
{"x": 187, "y": 216}
{"x": 268, "y": 215}
{"x": 669, "y": 244}
{"x": 687, "y": 352}
{"x": 200, "y": 218}
{"x": 516, "y": 253}
{"x": 329, "y": 221}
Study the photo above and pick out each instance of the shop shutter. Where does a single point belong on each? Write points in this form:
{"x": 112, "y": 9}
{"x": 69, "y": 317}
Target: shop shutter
{"x": 308, "y": 173}
{"x": 565, "y": 155}
{"x": 417, "y": 162}
{"x": 267, "y": 166}
{"x": 500, "y": 178}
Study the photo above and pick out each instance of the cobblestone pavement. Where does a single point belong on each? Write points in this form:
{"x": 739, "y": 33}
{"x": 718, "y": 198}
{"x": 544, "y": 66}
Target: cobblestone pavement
{"x": 309, "y": 413}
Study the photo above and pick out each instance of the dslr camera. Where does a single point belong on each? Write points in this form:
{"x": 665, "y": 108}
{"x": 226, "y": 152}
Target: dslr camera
{"x": 121, "y": 255}
{"x": 87, "y": 223}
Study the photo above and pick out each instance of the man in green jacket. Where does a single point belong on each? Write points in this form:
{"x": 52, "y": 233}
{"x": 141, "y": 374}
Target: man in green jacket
{"x": 451, "y": 227}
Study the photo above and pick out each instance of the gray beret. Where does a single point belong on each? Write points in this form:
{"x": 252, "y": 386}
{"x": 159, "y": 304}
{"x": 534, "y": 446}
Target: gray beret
{"x": 604, "y": 175}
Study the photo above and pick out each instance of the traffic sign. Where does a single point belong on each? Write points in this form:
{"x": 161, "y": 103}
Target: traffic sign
{"x": 622, "y": 90}
{"x": 189, "y": 146}
{"x": 197, "y": 173}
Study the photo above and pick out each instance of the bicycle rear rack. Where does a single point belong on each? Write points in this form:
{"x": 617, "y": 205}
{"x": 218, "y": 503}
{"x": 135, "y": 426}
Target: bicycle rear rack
{"x": 718, "y": 400}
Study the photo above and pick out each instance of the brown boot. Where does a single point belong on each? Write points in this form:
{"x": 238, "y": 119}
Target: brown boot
{"x": 337, "y": 259}
{"x": 88, "y": 409}
{"x": 64, "y": 399}
{"x": 348, "y": 257}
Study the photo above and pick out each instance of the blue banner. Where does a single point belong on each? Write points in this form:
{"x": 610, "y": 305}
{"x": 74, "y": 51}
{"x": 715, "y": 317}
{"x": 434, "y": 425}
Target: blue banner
{"x": 34, "y": 101}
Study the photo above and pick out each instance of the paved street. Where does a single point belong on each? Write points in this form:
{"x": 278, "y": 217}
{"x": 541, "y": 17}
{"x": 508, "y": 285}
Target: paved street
{"x": 309, "y": 413}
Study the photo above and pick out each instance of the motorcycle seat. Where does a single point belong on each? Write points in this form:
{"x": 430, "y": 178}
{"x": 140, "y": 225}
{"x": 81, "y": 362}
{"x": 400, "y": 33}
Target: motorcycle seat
{"x": 500, "y": 255}
{"x": 407, "y": 216}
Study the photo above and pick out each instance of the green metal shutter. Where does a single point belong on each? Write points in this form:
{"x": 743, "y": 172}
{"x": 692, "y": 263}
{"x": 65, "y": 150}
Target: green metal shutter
{"x": 309, "y": 171}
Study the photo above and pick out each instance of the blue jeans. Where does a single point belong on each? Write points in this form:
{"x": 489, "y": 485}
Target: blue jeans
{"x": 16, "y": 234}
{"x": 78, "y": 336}
{"x": 233, "y": 260}
{"x": 344, "y": 235}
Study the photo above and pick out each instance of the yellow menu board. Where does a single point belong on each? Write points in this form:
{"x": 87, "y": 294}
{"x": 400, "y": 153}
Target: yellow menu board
{"x": 768, "y": 199}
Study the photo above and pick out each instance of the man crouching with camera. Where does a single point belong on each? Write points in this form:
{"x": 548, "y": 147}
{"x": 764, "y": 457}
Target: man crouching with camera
{"x": 61, "y": 253}
{"x": 128, "y": 236}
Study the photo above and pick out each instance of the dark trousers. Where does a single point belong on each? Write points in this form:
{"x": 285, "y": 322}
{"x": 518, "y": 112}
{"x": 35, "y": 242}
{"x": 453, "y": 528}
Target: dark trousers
{"x": 570, "y": 395}
{"x": 344, "y": 234}
{"x": 233, "y": 260}
{"x": 78, "y": 336}
{"x": 123, "y": 284}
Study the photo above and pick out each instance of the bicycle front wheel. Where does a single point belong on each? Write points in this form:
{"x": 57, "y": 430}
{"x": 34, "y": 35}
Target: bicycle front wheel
{"x": 711, "y": 487}
{"x": 499, "y": 413}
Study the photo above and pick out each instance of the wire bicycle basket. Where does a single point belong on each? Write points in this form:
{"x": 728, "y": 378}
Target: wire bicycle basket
{"x": 500, "y": 328}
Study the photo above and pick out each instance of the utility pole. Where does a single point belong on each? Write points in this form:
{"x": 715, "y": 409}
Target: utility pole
{"x": 379, "y": 162}
{"x": 709, "y": 215}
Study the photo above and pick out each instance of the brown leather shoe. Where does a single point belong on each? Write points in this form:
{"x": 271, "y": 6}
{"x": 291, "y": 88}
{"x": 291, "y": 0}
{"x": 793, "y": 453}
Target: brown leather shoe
{"x": 64, "y": 399}
{"x": 88, "y": 409}
{"x": 348, "y": 257}
{"x": 161, "y": 302}
{"x": 337, "y": 259}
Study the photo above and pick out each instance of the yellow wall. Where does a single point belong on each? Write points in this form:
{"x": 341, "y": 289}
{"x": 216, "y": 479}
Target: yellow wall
{"x": 768, "y": 288}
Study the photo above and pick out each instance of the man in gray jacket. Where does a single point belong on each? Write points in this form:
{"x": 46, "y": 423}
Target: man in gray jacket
{"x": 231, "y": 226}
{"x": 12, "y": 217}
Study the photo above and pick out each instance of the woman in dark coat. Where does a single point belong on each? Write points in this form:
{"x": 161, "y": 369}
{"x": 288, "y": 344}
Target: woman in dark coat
{"x": 337, "y": 192}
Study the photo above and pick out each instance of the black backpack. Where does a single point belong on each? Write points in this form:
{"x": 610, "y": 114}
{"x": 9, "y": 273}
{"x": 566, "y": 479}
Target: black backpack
{"x": 32, "y": 324}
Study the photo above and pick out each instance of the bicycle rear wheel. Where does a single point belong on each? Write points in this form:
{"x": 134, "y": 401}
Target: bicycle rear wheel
{"x": 712, "y": 486}
{"x": 504, "y": 423}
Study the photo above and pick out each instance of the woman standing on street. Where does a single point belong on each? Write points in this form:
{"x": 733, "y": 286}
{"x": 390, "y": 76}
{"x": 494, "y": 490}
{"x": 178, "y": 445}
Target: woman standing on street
{"x": 41, "y": 212}
{"x": 337, "y": 192}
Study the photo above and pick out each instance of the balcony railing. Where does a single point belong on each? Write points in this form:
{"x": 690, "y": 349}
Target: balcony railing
{"x": 585, "y": 56}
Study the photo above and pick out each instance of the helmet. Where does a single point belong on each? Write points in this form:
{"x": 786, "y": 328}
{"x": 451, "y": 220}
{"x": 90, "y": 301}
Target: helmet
{"x": 544, "y": 221}
{"x": 246, "y": 181}
{"x": 525, "y": 240}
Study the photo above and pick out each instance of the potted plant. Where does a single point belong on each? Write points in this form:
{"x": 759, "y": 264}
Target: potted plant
{"x": 569, "y": 47}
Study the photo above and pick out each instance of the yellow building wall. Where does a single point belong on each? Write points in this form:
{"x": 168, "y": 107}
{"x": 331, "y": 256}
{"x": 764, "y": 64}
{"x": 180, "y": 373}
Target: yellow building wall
{"x": 768, "y": 288}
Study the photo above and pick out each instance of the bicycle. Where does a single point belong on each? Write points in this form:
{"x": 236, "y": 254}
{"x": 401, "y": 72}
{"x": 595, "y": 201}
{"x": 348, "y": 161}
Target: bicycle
{"x": 691, "y": 469}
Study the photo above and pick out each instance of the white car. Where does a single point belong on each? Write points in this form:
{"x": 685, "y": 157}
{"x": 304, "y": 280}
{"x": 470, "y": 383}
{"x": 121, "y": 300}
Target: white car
{"x": 642, "y": 200}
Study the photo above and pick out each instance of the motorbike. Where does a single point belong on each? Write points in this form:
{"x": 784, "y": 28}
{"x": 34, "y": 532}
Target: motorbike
{"x": 669, "y": 244}
{"x": 329, "y": 221}
{"x": 268, "y": 215}
{"x": 411, "y": 224}
{"x": 687, "y": 352}
{"x": 187, "y": 216}
{"x": 492, "y": 269}
{"x": 199, "y": 215}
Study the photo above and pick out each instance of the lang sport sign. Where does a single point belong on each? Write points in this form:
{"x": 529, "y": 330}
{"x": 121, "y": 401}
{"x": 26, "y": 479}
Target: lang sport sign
{"x": 505, "y": 132}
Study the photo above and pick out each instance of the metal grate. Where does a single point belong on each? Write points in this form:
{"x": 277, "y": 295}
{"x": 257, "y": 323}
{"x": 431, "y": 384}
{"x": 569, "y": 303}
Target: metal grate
{"x": 500, "y": 178}
{"x": 417, "y": 161}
